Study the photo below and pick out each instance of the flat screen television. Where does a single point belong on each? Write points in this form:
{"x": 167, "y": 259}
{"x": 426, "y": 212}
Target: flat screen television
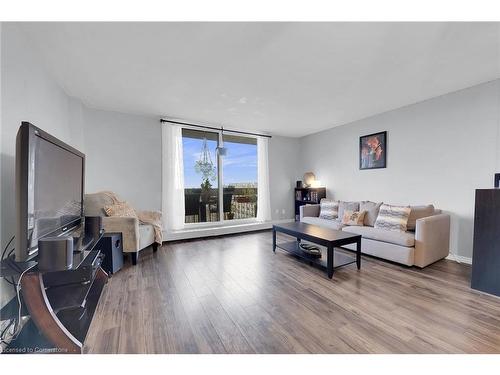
{"x": 50, "y": 177}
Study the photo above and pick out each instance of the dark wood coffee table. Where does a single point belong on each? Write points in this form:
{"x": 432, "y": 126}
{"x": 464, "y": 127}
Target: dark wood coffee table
{"x": 329, "y": 238}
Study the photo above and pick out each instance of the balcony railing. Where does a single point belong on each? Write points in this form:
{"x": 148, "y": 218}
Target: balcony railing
{"x": 238, "y": 203}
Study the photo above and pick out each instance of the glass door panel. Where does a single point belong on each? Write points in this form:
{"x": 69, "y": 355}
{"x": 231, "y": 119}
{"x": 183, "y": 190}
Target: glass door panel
{"x": 201, "y": 176}
{"x": 239, "y": 171}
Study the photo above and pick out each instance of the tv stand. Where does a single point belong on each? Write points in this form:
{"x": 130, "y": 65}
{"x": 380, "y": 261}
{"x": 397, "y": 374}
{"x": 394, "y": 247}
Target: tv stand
{"x": 60, "y": 304}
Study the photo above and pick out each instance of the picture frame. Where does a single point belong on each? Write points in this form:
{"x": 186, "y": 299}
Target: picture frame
{"x": 373, "y": 151}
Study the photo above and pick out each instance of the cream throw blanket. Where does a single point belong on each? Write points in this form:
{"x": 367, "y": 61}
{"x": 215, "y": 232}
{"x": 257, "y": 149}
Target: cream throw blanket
{"x": 145, "y": 217}
{"x": 153, "y": 218}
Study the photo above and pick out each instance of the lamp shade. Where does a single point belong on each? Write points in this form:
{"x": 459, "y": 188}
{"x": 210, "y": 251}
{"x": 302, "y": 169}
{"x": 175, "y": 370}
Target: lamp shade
{"x": 309, "y": 178}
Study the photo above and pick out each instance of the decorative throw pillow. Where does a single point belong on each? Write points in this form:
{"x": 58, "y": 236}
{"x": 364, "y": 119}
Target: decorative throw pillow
{"x": 393, "y": 217}
{"x": 120, "y": 209}
{"x": 418, "y": 212}
{"x": 353, "y": 218}
{"x": 328, "y": 209}
{"x": 351, "y": 206}
{"x": 372, "y": 210}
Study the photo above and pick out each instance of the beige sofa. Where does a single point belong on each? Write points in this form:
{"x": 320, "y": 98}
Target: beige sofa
{"x": 427, "y": 244}
{"x": 135, "y": 236}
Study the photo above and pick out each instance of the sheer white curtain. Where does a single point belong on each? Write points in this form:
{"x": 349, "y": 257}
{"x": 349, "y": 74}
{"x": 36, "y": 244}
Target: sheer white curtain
{"x": 263, "y": 196}
{"x": 172, "y": 178}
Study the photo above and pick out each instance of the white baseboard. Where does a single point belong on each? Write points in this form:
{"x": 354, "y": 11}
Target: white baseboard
{"x": 201, "y": 232}
{"x": 459, "y": 259}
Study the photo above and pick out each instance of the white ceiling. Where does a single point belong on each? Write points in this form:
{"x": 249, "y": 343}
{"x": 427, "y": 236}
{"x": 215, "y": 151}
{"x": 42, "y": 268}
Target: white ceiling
{"x": 282, "y": 78}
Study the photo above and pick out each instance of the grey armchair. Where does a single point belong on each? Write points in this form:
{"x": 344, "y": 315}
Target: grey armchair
{"x": 136, "y": 236}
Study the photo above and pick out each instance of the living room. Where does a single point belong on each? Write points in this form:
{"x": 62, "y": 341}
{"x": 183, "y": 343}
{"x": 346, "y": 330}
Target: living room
{"x": 250, "y": 187}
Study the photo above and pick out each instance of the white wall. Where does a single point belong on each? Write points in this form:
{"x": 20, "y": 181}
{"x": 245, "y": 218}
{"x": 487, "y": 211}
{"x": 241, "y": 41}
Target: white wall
{"x": 123, "y": 154}
{"x": 28, "y": 93}
{"x": 283, "y": 173}
{"x": 439, "y": 151}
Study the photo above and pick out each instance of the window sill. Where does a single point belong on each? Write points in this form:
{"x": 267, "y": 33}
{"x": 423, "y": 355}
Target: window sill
{"x": 219, "y": 229}
{"x": 218, "y": 224}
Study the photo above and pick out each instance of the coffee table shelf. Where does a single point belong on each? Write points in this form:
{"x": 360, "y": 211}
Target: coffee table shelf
{"x": 339, "y": 260}
{"x": 329, "y": 238}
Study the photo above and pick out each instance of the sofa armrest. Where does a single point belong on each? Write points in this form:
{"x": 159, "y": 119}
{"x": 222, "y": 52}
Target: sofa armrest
{"x": 432, "y": 239}
{"x": 128, "y": 226}
{"x": 309, "y": 210}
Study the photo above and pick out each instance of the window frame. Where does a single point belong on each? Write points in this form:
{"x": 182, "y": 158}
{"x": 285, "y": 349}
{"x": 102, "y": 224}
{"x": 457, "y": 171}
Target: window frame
{"x": 220, "y": 179}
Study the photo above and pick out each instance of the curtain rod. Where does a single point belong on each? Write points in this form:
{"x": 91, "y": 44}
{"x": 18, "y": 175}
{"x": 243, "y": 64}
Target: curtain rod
{"x": 213, "y": 128}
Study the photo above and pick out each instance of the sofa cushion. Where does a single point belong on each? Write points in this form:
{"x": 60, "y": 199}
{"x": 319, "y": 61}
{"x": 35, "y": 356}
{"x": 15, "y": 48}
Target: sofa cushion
{"x": 393, "y": 218}
{"x": 331, "y": 224}
{"x": 328, "y": 209}
{"x": 353, "y": 217}
{"x": 397, "y": 238}
{"x": 351, "y": 206}
{"x": 418, "y": 212}
{"x": 389, "y": 251}
{"x": 372, "y": 209}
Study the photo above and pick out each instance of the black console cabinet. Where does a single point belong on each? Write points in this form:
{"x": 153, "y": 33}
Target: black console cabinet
{"x": 486, "y": 255}
{"x": 60, "y": 304}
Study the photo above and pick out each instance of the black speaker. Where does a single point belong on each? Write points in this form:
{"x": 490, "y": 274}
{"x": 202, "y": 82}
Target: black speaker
{"x": 111, "y": 246}
{"x": 55, "y": 253}
{"x": 93, "y": 226}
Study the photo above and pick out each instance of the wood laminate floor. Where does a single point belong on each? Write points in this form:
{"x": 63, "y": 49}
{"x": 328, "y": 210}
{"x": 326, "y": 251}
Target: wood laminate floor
{"x": 233, "y": 295}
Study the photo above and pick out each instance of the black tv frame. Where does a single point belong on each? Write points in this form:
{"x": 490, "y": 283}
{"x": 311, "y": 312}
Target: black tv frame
{"x": 25, "y": 154}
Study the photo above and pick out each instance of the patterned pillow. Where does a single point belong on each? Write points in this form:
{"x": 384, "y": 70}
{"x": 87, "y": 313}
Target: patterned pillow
{"x": 393, "y": 217}
{"x": 120, "y": 209}
{"x": 328, "y": 209}
{"x": 351, "y": 206}
{"x": 353, "y": 218}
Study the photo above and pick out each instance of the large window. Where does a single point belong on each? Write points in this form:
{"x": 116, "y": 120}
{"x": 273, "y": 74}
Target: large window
{"x": 205, "y": 171}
